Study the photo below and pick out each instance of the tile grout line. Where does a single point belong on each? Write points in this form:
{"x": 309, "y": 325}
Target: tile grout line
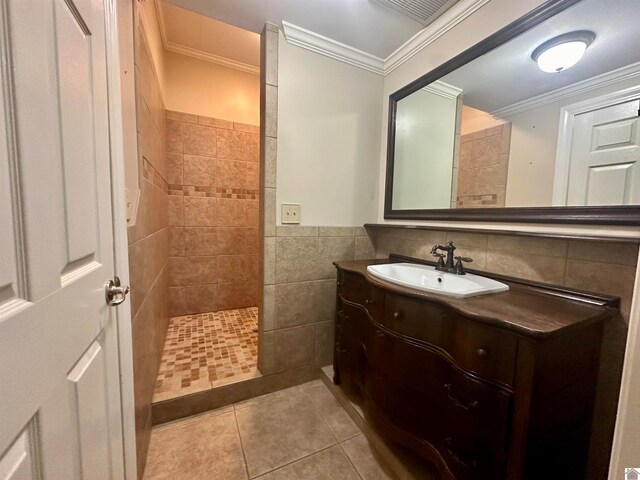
{"x": 244, "y": 455}
{"x": 566, "y": 263}
{"x": 294, "y": 461}
{"x": 349, "y": 458}
{"x": 317, "y": 410}
{"x": 337, "y": 442}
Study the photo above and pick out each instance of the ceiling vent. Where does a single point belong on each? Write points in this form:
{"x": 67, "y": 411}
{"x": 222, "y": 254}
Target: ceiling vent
{"x": 423, "y": 11}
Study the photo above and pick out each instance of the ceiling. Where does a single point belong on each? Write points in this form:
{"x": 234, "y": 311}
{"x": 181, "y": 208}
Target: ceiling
{"x": 507, "y": 74}
{"x": 366, "y": 25}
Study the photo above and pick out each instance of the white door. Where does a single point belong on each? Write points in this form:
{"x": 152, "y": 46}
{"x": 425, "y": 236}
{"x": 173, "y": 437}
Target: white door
{"x": 605, "y": 157}
{"x": 60, "y": 414}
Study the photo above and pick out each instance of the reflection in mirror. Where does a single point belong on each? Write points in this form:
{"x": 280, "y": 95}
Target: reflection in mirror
{"x": 500, "y": 132}
{"x": 421, "y": 137}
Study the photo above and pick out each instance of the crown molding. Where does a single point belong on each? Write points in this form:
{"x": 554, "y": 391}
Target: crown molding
{"x": 339, "y": 51}
{"x": 210, "y": 57}
{"x": 199, "y": 54}
{"x": 432, "y": 32}
{"x": 317, "y": 43}
{"x": 442, "y": 89}
{"x": 609, "y": 78}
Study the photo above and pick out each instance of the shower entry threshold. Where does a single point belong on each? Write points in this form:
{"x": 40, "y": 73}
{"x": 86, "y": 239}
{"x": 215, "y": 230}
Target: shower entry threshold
{"x": 208, "y": 350}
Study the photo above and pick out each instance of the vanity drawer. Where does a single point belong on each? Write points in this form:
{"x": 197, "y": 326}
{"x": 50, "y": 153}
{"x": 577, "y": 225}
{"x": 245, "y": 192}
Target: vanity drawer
{"x": 426, "y": 396}
{"x": 356, "y": 289}
{"x": 484, "y": 350}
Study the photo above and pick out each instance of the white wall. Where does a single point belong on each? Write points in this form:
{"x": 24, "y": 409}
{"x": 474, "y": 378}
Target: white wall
{"x": 423, "y": 157}
{"x": 329, "y": 116}
{"x": 211, "y": 90}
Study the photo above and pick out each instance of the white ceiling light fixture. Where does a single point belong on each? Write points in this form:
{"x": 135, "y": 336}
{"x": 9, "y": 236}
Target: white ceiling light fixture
{"x": 562, "y": 52}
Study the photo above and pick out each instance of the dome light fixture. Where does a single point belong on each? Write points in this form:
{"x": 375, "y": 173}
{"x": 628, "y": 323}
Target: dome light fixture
{"x": 562, "y": 52}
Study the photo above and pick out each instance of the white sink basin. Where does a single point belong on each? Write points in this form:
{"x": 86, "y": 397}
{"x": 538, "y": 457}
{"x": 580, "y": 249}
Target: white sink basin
{"x": 428, "y": 279}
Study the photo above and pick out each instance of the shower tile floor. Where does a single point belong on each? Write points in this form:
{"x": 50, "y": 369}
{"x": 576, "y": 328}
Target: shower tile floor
{"x": 206, "y": 350}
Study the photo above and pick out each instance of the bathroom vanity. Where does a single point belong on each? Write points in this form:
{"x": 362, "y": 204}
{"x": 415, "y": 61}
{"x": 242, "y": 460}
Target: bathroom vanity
{"x": 492, "y": 387}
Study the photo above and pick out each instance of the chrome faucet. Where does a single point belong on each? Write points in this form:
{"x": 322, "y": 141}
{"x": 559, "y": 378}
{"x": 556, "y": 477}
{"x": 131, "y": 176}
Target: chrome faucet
{"x": 447, "y": 265}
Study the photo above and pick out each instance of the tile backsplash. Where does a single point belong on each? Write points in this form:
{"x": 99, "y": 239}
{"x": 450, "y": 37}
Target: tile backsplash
{"x": 604, "y": 267}
{"x": 213, "y": 170}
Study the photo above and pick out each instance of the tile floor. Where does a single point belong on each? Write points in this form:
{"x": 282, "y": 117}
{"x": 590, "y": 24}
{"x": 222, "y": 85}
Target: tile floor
{"x": 207, "y": 350}
{"x": 300, "y": 433}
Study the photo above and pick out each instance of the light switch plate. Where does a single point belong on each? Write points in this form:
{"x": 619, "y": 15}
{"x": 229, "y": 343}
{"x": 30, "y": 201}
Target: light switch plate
{"x": 290, "y": 213}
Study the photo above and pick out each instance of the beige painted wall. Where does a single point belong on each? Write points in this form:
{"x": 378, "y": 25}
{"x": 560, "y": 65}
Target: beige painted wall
{"x": 211, "y": 90}
{"x": 474, "y": 120}
{"x": 328, "y": 129}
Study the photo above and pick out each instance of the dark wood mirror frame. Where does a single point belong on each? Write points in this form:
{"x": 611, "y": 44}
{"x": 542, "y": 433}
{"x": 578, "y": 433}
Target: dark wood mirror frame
{"x": 605, "y": 215}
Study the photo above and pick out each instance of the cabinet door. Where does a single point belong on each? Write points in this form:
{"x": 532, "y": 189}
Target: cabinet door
{"x": 479, "y": 420}
{"x": 352, "y": 328}
{"x": 407, "y": 393}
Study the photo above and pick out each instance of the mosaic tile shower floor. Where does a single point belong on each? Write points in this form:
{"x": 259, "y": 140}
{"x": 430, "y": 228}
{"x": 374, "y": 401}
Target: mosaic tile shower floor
{"x": 206, "y": 350}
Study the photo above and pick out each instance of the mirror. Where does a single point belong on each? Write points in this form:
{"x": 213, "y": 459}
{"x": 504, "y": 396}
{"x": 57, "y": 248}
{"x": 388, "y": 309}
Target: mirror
{"x": 491, "y": 136}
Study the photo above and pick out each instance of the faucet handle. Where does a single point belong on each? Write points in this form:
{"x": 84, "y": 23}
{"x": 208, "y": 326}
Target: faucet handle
{"x": 440, "y": 258}
{"x": 459, "y": 268}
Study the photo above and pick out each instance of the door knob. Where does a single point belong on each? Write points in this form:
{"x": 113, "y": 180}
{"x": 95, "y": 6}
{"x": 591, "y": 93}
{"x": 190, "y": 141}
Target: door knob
{"x": 115, "y": 293}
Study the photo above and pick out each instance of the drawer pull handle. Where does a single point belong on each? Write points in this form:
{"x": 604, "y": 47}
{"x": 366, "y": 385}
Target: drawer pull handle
{"x": 457, "y": 456}
{"x": 482, "y": 352}
{"x": 368, "y": 301}
{"x": 397, "y": 314}
{"x": 379, "y": 333}
{"x": 341, "y": 314}
{"x": 457, "y": 402}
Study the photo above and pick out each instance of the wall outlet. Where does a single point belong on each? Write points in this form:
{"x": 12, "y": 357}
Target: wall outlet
{"x": 290, "y": 213}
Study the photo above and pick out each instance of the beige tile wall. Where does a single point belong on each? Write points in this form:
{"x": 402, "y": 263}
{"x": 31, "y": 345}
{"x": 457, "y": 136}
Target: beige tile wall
{"x": 482, "y": 171}
{"x": 148, "y": 244}
{"x": 213, "y": 170}
{"x": 300, "y": 293}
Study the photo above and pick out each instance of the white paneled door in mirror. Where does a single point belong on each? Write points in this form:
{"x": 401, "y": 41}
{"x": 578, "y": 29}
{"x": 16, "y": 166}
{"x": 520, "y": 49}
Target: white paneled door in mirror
{"x": 60, "y": 414}
{"x": 605, "y": 156}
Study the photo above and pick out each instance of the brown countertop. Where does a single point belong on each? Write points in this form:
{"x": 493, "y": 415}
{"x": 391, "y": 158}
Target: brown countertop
{"x": 524, "y": 309}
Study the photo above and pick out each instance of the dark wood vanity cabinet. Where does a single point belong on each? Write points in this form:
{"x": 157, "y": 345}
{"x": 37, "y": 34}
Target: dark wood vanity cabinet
{"x": 493, "y": 387}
